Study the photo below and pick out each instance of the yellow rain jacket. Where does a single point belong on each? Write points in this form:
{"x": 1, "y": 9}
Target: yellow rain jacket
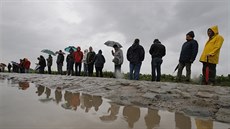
{"x": 212, "y": 47}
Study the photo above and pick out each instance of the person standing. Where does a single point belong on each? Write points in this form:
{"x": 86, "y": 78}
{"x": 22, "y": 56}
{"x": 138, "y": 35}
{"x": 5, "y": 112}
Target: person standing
{"x": 60, "y": 60}
{"x": 78, "y": 56}
{"x": 85, "y": 62}
{"x": 70, "y": 62}
{"x": 99, "y": 63}
{"x": 49, "y": 63}
{"x": 117, "y": 60}
{"x": 9, "y": 67}
{"x": 42, "y": 64}
{"x": 21, "y": 66}
{"x": 210, "y": 55}
{"x": 135, "y": 56}
{"x": 26, "y": 65}
{"x": 187, "y": 56}
{"x": 90, "y": 61}
{"x": 157, "y": 51}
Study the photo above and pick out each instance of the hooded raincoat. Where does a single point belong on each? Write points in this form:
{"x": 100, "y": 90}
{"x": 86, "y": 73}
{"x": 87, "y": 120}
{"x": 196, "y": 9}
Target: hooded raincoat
{"x": 212, "y": 47}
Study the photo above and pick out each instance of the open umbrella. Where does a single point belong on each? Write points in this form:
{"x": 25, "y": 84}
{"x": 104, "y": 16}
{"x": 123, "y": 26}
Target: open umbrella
{"x": 15, "y": 63}
{"x": 67, "y": 49}
{"x": 47, "y": 51}
{"x": 2, "y": 65}
{"x": 112, "y": 43}
{"x": 207, "y": 72}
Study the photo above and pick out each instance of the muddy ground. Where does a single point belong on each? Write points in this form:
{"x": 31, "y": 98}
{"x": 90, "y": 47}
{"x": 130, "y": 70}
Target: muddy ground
{"x": 212, "y": 102}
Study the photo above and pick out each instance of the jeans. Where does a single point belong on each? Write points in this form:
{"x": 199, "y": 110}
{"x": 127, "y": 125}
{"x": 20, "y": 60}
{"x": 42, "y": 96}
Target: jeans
{"x": 180, "y": 70}
{"x": 70, "y": 68}
{"x": 136, "y": 69}
{"x": 85, "y": 69}
{"x": 156, "y": 66}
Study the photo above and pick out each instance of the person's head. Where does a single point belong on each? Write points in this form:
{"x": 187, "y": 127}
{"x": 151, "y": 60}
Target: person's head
{"x": 115, "y": 47}
{"x": 100, "y": 52}
{"x": 60, "y": 51}
{"x": 190, "y": 35}
{"x": 90, "y": 49}
{"x": 78, "y": 48}
{"x": 156, "y": 41}
{"x": 136, "y": 41}
{"x": 50, "y": 56}
{"x": 86, "y": 51}
{"x": 41, "y": 57}
{"x": 210, "y": 33}
{"x": 71, "y": 50}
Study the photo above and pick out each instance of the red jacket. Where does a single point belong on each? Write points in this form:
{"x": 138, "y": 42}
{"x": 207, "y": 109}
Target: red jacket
{"x": 27, "y": 64}
{"x": 78, "y": 55}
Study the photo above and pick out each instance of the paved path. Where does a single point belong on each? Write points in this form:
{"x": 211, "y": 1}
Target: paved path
{"x": 196, "y": 100}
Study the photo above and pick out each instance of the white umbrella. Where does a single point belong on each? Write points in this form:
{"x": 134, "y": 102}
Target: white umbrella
{"x": 112, "y": 43}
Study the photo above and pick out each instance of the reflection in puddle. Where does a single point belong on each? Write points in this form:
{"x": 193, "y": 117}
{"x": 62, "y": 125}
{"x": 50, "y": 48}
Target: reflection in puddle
{"x": 41, "y": 107}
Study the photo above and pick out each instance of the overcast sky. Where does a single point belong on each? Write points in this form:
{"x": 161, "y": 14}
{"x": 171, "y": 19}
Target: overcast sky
{"x": 28, "y": 26}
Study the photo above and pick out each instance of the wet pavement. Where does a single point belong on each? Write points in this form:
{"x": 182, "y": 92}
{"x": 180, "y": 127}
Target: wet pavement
{"x": 25, "y": 105}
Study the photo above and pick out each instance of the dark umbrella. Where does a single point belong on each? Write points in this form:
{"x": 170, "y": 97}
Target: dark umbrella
{"x": 2, "y": 64}
{"x": 207, "y": 72}
{"x": 67, "y": 49}
{"x": 112, "y": 43}
{"x": 47, "y": 51}
{"x": 15, "y": 63}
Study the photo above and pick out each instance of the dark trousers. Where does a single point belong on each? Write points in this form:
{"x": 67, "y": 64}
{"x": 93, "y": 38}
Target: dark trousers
{"x": 99, "y": 71}
{"x": 212, "y": 73}
{"x": 42, "y": 70}
{"x": 90, "y": 69}
{"x": 59, "y": 67}
{"x": 156, "y": 67}
{"x": 180, "y": 70}
{"x": 49, "y": 69}
{"x": 77, "y": 69}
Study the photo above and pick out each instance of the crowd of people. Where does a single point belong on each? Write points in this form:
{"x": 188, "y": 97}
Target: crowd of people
{"x": 135, "y": 55}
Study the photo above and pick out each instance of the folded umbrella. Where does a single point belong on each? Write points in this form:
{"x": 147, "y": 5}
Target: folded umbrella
{"x": 176, "y": 68}
{"x": 112, "y": 43}
{"x": 207, "y": 72}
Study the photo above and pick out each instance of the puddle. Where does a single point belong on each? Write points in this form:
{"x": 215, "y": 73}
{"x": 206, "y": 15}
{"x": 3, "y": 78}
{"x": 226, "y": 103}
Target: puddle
{"x": 26, "y": 106}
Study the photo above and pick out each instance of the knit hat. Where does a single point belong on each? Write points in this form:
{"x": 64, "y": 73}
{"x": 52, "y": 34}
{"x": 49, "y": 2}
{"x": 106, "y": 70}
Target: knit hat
{"x": 191, "y": 34}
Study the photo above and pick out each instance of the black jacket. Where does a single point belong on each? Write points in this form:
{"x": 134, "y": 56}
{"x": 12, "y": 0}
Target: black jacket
{"x": 135, "y": 53}
{"x": 42, "y": 62}
{"x": 99, "y": 60}
{"x": 60, "y": 58}
{"x": 189, "y": 51}
{"x": 157, "y": 50}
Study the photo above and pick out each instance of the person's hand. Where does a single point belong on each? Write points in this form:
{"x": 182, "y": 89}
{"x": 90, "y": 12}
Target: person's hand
{"x": 209, "y": 55}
